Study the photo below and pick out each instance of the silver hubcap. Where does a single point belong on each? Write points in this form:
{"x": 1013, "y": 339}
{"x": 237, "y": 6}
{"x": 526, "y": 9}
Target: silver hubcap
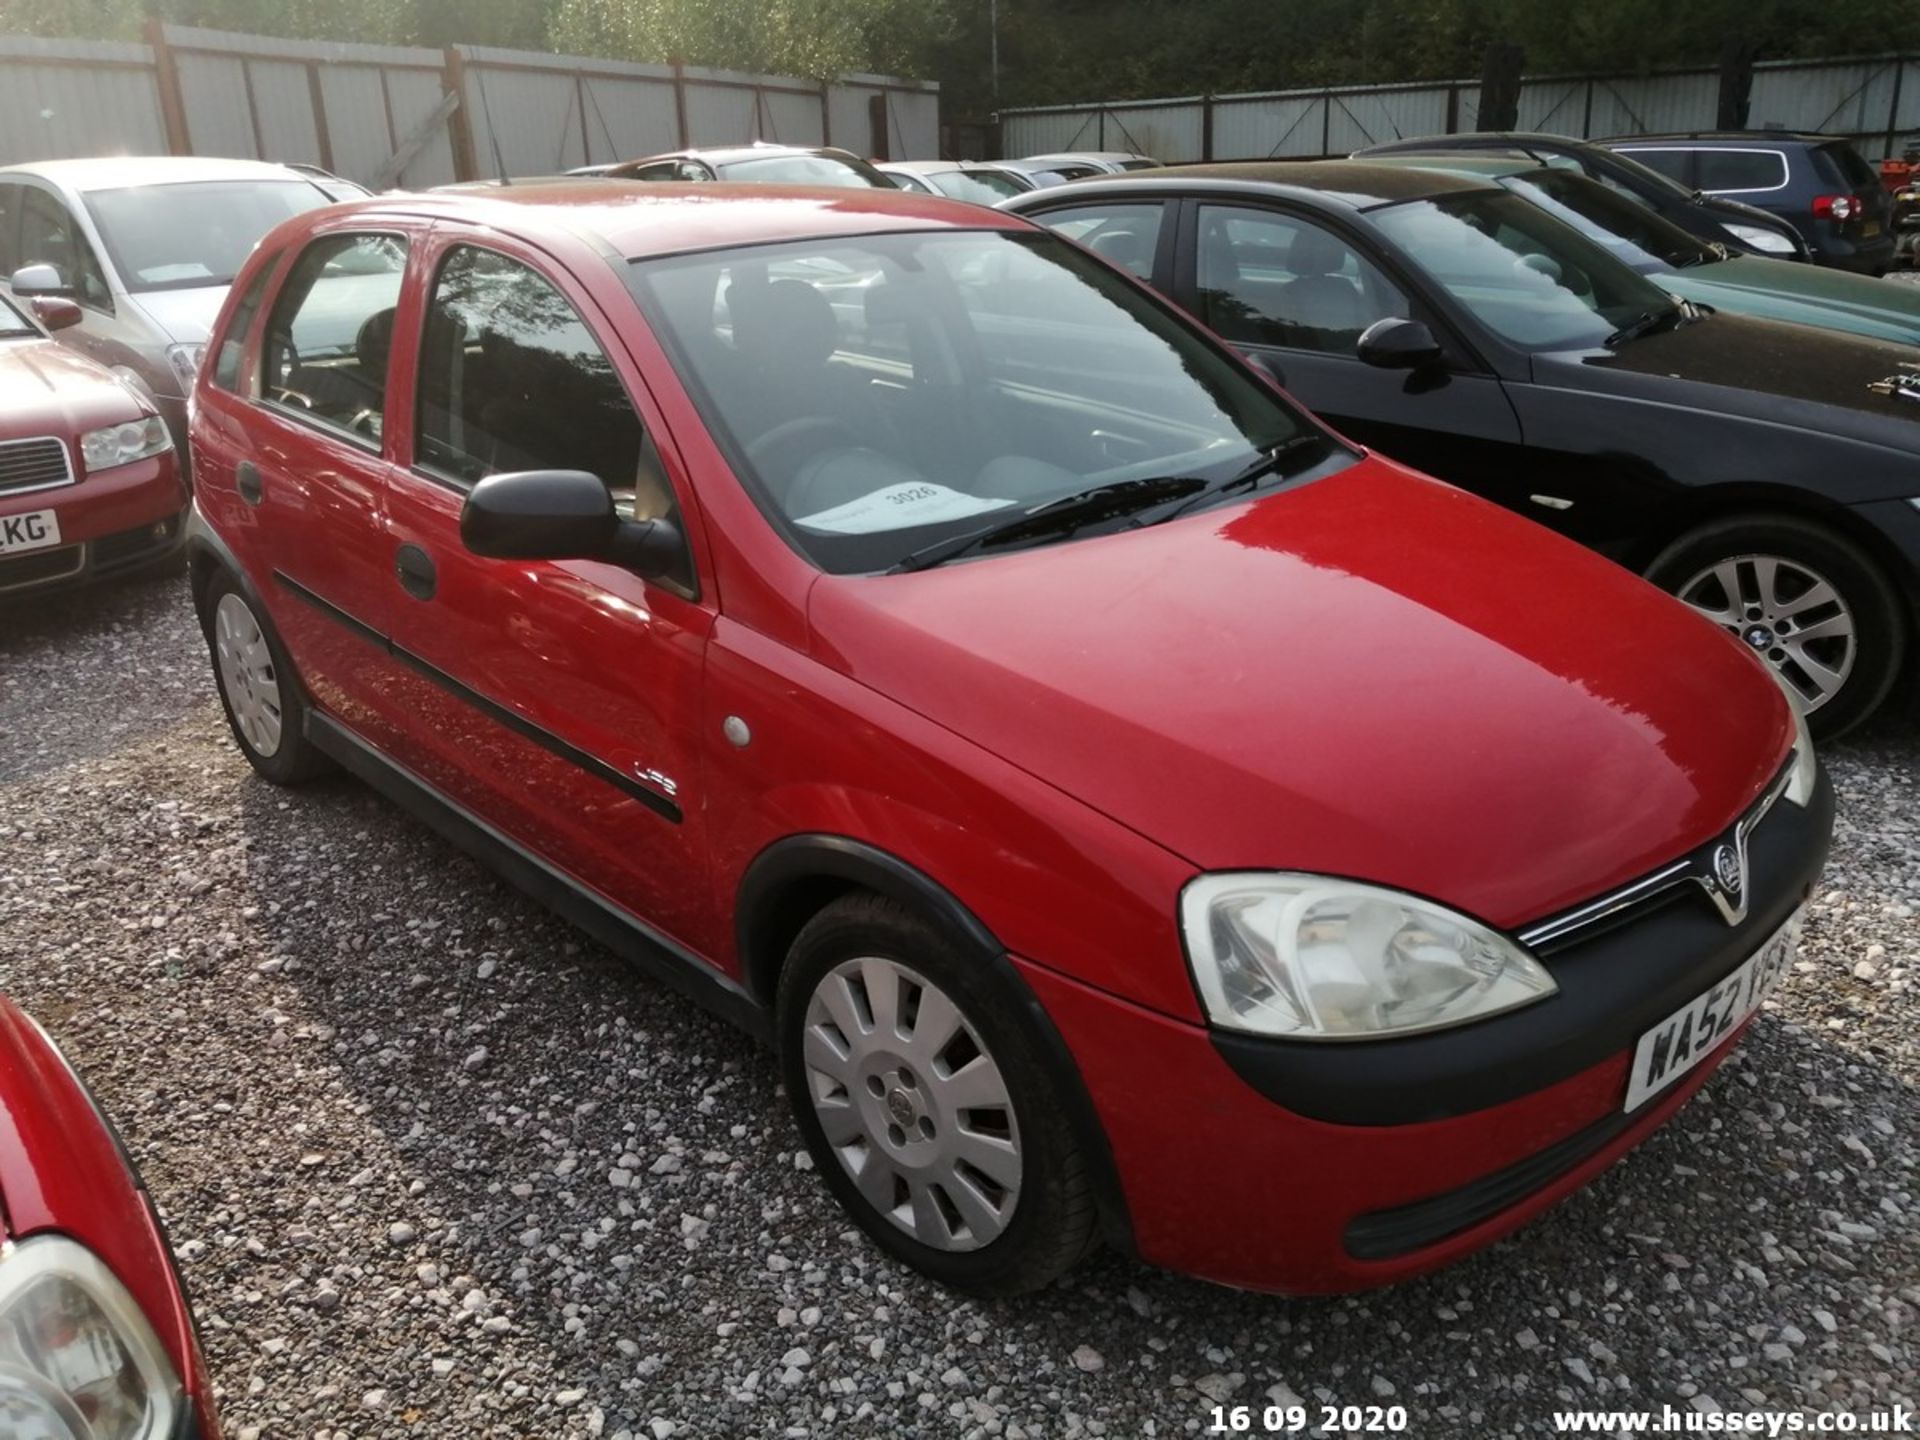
{"x": 1786, "y": 612}
{"x": 912, "y": 1104}
{"x": 247, "y": 675}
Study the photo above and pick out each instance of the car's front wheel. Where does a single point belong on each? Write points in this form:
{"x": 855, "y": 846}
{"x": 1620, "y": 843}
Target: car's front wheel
{"x": 1808, "y": 600}
{"x": 257, "y": 687}
{"x": 926, "y": 1105}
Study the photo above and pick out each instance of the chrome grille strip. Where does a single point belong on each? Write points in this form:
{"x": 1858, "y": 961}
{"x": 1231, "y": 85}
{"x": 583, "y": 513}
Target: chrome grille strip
{"x": 1569, "y": 923}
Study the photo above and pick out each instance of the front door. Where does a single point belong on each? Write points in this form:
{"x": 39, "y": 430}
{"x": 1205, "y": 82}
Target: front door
{"x": 1299, "y": 293}
{"x": 559, "y": 701}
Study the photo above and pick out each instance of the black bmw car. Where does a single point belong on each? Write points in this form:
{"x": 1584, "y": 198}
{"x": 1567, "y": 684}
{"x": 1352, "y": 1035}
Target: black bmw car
{"x": 1767, "y": 473}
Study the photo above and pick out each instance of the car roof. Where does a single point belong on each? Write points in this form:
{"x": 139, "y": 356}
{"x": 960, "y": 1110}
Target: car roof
{"x": 121, "y": 172}
{"x": 1084, "y": 155}
{"x": 1358, "y": 184}
{"x": 641, "y": 221}
{"x": 1791, "y": 137}
{"x": 727, "y": 154}
{"x": 1460, "y": 162}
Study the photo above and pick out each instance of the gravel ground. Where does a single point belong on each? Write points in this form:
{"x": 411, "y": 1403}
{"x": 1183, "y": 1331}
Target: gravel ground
{"x": 436, "y": 1165}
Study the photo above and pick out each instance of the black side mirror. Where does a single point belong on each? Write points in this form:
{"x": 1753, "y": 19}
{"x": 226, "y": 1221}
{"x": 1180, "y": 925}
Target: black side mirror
{"x": 1267, "y": 366}
{"x": 1399, "y": 345}
{"x": 563, "y": 515}
{"x": 38, "y": 279}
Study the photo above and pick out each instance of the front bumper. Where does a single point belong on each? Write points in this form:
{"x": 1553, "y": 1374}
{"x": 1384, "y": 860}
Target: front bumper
{"x": 1400, "y": 1156}
{"x": 115, "y": 521}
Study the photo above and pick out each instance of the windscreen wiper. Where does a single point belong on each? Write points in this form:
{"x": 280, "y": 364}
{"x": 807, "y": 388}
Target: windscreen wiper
{"x": 1062, "y": 516}
{"x": 1646, "y": 324}
{"x": 1271, "y": 459}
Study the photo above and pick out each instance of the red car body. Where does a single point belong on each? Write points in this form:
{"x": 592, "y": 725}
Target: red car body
{"x": 1046, "y": 748}
{"x": 104, "y": 522}
{"x": 63, "y": 1173}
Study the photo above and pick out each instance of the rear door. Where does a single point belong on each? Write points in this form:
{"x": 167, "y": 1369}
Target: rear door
{"x": 1291, "y": 288}
{"x": 559, "y": 701}
{"x": 293, "y": 437}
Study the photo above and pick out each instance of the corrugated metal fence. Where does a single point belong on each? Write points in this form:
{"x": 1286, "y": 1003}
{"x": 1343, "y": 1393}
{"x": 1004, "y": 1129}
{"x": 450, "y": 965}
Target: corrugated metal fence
{"x": 1874, "y": 99}
{"x": 387, "y": 115}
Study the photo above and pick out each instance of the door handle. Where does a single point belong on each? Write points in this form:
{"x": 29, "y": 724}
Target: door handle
{"x": 414, "y": 569}
{"x": 246, "y": 479}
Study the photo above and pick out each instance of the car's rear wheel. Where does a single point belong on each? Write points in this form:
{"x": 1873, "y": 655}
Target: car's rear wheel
{"x": 926, "y": 1106}
{"x": 1812, "y": 603}
{"x": 257, "y": 688}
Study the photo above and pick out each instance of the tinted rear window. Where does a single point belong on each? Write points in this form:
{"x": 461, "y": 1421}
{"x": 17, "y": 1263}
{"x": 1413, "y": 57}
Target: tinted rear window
{"x": 1843, "y": 163}
{"x": 1670, "y": 163}
{"x": 1740, "y": 169}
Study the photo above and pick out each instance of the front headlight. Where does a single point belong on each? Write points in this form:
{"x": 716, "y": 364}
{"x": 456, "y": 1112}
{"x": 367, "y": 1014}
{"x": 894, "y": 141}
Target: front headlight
{"x": 1803, "y": 765}
{"x": 1310, "y": 957}
{"x": 185, "y": 360}
{"x": 124, "y": 444}
{"x": 1761, "y": 238}
{"x": 78, "y": 1361}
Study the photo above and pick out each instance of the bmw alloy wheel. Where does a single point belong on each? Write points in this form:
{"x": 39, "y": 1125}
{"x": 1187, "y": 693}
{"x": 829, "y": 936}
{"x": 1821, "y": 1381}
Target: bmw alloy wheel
{"x": 248, "y": 675}
{"x": 1788, "y": 613}
{"x": 912, "y": 1103}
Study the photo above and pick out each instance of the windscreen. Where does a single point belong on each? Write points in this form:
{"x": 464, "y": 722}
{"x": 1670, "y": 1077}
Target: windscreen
{"x": 800, "y": 170}
{"x": 1523, "y": 274}
{"x": 982, "y": 187}
{"x": 176, "y": 237}
{"x": 1625, "y": 227}
{"x": 885, "y": 392}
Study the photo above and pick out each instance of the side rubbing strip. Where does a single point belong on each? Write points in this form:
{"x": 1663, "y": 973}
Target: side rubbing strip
{"x": 492, "y": 709}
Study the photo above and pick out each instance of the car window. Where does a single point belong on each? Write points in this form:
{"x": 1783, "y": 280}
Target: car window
{"x": 1124, "y": 235}
{"x": 1270, "y": 279}
{"x": 797, "y": 170}
{"x": 14, "y": 322}
{"x": 331, "y": 330}
{"x": 1720, "y": 171}
{"x": 880, "y": 393}
{"x": 10, "y": 199}
{"x": 226, "y": 365}
{"x": 1845, "y": 164}
{"x": 177, "y": 237}
{"x": 910, "y": 182}
{"x": 49, "y": 235}
{"x": 1610, "y": 217}
{"x": 1517, "y": 270}
{"x": 1674, "y": 165}
{"x": 511, "y": 378}
{"x": 982, "y": 187}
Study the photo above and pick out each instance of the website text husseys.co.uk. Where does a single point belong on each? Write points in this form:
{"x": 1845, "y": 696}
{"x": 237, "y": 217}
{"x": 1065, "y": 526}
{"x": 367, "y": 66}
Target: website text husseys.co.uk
{"x": 1669, "y": 1421}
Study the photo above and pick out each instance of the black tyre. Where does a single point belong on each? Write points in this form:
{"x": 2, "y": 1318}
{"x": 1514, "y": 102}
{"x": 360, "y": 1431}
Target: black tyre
{"x": 1809, "y": 600}
{"x": 257, "y": 685}
{"x": 930, "y": 1110}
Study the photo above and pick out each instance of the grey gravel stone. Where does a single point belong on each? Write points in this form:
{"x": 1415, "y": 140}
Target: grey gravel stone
{"x": 313, "y": 1106}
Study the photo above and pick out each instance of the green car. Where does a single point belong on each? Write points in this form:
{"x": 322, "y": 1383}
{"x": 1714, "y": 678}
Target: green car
{"x": 1692, "y": 268}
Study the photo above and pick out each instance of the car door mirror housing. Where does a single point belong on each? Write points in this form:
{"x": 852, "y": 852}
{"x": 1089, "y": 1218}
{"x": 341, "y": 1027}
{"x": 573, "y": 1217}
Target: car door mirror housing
{"x": 563, "y": 515}
{"x": 1399, "y": 345}
{"x": 40, "y": 279}
{"x": 54, "y": 312}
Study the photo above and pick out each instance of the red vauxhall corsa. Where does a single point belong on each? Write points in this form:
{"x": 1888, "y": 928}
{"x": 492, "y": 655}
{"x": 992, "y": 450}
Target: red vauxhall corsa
{"x": 96, "y": 1342}
{"x": 1131, "y": 810}
{"x": 88, "y": 483}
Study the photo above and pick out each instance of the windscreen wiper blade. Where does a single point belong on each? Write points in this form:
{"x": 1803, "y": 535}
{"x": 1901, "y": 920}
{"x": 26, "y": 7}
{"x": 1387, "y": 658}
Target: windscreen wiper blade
{"x": 1271, "y": 459}
{"x": 1065, "y": 515}
{"x": 1646, "y": 324}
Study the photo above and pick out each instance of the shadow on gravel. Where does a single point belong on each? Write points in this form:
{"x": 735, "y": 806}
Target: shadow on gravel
{"x": 84, "y": 672}
{"x": 615, "y": 1174}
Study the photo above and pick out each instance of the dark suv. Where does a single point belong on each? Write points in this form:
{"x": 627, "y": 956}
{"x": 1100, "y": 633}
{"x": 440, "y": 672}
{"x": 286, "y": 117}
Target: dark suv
{"x": 1818, "y": 183}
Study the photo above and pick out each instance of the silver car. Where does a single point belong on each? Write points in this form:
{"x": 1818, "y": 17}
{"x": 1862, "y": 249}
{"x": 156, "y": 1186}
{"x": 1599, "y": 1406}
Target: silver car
{"x": 147, "y": 246}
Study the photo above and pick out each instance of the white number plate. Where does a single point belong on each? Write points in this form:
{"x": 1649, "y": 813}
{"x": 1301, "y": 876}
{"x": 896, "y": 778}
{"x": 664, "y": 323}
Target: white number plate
{"x": 1691, "y": 1033}
{"x": 35, "y": 530}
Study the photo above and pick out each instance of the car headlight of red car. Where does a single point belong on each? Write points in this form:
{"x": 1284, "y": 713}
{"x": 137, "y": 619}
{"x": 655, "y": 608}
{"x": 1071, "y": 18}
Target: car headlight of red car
{"x": 1312, "y": 957}
{"x": 124, "y": 444}
{"x": 78, "y": 1360}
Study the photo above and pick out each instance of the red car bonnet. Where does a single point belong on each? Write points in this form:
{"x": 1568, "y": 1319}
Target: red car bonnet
{"x": 62, "y": 1170}
{"x": 1373, "y": 675}
{"x": 47, "y": 389}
